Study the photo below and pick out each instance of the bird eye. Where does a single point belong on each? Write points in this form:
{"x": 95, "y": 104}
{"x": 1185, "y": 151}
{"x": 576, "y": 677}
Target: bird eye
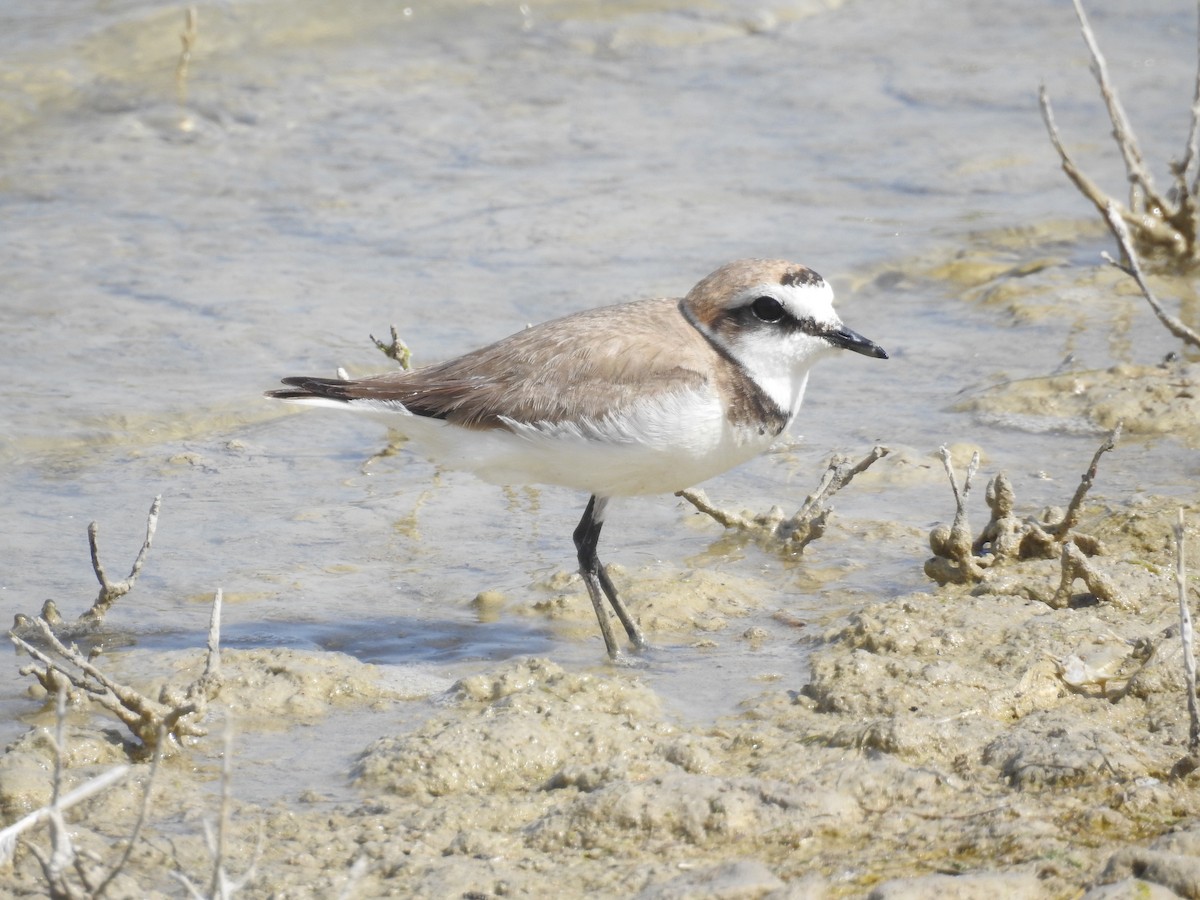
{"x": 767, "y": 309}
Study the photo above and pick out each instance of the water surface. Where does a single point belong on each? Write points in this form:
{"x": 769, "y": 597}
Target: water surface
{"x": 463, "y": 169}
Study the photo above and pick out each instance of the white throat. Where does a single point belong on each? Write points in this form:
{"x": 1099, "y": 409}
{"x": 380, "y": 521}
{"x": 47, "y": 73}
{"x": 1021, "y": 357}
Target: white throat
{"x": 779, "y": 360}
{"x": 780, "y": 365}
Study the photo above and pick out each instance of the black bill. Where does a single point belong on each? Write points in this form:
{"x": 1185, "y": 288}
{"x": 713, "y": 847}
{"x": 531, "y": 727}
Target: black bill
{"x": 851, "y": 340}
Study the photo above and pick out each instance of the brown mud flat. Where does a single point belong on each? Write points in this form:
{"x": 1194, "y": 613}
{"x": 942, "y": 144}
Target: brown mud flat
{"x": 971, "y": 740}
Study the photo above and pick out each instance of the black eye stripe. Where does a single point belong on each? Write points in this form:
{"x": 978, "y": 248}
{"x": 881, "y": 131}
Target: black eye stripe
{"x": 764, "y": 312}
{"x": 769, "y": 311}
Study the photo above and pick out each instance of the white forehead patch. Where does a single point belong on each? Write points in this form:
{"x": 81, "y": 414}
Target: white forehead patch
{"x": 803, "y": 300}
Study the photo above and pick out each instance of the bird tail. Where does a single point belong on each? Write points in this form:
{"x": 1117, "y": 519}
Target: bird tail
{"x": 314, "y": 391}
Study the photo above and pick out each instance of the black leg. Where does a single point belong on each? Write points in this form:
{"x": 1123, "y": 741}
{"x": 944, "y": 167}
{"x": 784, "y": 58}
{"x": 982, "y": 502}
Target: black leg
{"x": 587, "y": 536}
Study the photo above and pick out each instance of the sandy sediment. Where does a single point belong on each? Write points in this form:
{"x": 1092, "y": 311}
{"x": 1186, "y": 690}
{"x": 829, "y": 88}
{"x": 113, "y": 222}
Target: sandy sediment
{"x": 961, "y": 742}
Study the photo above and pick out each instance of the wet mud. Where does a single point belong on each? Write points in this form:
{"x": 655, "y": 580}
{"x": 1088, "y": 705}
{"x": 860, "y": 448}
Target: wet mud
{"x": 964, "y": 741}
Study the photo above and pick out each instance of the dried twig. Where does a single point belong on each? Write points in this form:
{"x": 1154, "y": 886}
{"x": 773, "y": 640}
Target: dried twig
{"x": 954, "y": 560}
{"x": 722, "y": 517}
{"x": 176, "y": 714}
{"x": 62, "y": 861}
{"x": 1070, "y": 518}
{"x": 8, "y": 836}
{"x": 1009, "y": 538}
{"x": 60, "y": 801}
{"x": 111, "y": 591}
{"x": 1157, "y": 222}
{"x": 1122, "y": 130}
{"x": 143, "y": 815}
{"x": 1086, "y": 186}
{"x": 839, "y": 474}
{"x": 1187, "y": 637}
{"x": 1133, "y": 268}
{"x": 790, "y": 533}
{"x": 1186, "y": 186}
{"x": 221, "y": 886}
{"x": 960, "y": 494}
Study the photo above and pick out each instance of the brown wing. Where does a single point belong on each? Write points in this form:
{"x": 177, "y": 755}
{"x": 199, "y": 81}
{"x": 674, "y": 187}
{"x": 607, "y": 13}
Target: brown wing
{"x": 582, "y": 366}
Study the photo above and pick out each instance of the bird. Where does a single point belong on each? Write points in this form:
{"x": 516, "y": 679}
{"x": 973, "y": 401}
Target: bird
{"x": 643, "y": 397}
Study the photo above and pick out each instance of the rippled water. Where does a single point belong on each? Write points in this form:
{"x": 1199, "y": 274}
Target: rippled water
{"x": 463, "y": 169}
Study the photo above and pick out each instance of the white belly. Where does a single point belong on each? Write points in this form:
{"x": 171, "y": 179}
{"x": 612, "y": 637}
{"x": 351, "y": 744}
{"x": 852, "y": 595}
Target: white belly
{"x": 660, "y": 446}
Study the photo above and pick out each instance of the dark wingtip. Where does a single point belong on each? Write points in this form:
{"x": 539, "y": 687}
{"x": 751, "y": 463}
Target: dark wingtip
{"x": 286, "y": 395}
{"x": 305, "y": 387}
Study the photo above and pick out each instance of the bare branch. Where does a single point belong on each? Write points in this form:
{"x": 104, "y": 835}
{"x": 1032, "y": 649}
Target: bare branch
{"x": 61, "y": 861}
{"x": 1134, "y": 269}
{"x": 9, "y": 835}
{"x": 1086, "y": 186}
{"x": 221, "y": 886}
{"x": 796, "y": 532}
{"x": 110, "y": 591}
{"x": 1071, "y": 518}
{"x": 217, "y": 883}
{"x": 1166, "y": 224}
{"x": 960, "y": 530}
{"x": 722, "y": 517}
{"x": 1185, "y": 186}
{"x": 1009, "y": 538}
{"x": 839, "y": 474}
{"x": 212, "y": 666}
{"x": 175, "y": 714}
{"x": 1126, "y": 140}
{"x": 143, "y": 815}
{"x": 954, "y": 560}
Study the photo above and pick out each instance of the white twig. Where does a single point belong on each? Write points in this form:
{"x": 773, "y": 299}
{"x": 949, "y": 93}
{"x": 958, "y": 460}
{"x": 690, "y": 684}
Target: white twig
{"x": 808, "y": 523}
{"x": 221, "y": 886}
{"x": 177, "y": 713}
{"x": 1134, "y": 270}
{"x": 143, "y": 815}
{"x": 110, "y": 591}
{"x": 8, "y": 837}
{"x": 1122, "y": 131}
{"x": 1186, "y": 636}
{"x": 1071, "y": 517}
{"x": 62, "y": 858}
{"x": 1161, "y": 223}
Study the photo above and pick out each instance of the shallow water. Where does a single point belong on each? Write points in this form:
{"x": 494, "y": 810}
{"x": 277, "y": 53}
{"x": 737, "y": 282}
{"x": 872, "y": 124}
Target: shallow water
{"x": 460, "y": 170}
